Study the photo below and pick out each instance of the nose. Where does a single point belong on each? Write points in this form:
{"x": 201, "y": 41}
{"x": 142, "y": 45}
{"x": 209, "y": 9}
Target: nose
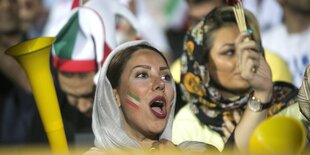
{"x": 84, "y": 105}
{"x": 159, "y": 84}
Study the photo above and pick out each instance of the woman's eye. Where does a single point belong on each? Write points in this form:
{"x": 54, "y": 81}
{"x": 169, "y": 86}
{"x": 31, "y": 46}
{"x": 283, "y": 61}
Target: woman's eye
{"x": 229, "y": 52}
{"x": 166, "y": 77}
{"x": 141, "y": 75}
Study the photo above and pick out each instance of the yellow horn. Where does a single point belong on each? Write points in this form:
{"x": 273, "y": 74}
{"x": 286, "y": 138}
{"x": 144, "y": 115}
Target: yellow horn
{"x": 33, "y": 55}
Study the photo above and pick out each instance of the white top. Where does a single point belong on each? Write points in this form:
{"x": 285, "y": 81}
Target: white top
{"x": 293, "y": 48}
{"x": 187, "y": 127}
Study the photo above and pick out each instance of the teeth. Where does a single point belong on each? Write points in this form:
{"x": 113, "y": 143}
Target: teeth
{"x": 158, "y": 104}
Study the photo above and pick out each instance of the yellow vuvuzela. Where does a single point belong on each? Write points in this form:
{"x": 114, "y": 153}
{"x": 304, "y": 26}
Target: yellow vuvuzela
{"x": 33, "y": 55}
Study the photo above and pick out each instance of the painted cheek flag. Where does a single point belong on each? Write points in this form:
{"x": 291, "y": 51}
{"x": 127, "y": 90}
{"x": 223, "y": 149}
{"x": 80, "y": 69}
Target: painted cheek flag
{"x": 133, "y": 100}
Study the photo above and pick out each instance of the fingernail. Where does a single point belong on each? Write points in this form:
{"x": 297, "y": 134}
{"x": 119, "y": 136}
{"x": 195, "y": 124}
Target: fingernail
{"x": 225, "y": 117}
{"x": 249, "y": 31}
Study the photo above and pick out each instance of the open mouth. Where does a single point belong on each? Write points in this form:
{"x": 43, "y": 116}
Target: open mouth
{"x": 158, "y": 107}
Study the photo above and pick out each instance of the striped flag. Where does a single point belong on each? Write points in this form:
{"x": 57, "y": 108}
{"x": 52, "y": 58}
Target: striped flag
{"x": 75, "y": 4}
{"x": 81, "y": 44}
{"x": 88, "y": 36}
{"x": 133, "y": 100}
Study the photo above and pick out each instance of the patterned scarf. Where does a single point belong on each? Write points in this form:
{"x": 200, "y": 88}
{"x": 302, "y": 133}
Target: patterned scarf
{"x": 303, "y": 97}
{"x": 199, "y": 90}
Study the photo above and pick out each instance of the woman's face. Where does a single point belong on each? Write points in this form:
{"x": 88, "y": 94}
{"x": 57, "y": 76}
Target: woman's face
{"x": 223, "y": 59}
{"x": 145, "y": 94}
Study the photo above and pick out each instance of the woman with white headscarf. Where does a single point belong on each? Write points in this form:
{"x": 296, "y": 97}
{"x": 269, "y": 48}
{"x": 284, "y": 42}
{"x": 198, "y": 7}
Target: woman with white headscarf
{"x": 133, "y": 105}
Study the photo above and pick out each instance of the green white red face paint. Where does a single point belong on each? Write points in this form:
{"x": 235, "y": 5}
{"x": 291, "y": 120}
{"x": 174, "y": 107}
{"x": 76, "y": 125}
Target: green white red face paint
{"x": 133, "y": 100}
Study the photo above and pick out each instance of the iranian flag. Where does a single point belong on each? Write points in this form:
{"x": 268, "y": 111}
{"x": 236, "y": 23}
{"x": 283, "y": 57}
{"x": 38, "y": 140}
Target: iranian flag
{"x": 133, "y": 100}
{"x": 81, "y": 44}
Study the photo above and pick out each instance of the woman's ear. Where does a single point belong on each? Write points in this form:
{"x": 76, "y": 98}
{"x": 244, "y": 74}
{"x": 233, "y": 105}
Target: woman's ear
{"x": 117, "y": 97}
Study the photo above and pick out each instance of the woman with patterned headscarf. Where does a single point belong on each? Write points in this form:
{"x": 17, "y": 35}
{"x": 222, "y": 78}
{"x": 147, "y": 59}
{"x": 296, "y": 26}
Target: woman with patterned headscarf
{"x": 224, "y": 76}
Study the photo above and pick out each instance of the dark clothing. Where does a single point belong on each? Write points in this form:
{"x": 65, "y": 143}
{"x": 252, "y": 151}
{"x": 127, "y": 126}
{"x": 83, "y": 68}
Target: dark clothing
{"x": 18, "y": 110}
{"x": 21, "y": 123}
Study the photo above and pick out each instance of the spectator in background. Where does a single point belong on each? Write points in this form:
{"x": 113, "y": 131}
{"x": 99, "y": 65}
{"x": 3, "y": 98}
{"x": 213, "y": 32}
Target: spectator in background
{"x": 261, "y": 9}
{"x": 11, "y": 34}
{"x": 16, "y": 98}
{"x": 197, "y": 10}
{"x": 33, "y": 17}
{"x": 217, "y": 87}
{"x": 150, "y": 27}
{"x": 291, "y": 39}
{"x": 80, "y": 49}
{"x": 82, "y": 46}
{"x": 194, "y": 11}
{"x": 169, "y": 19}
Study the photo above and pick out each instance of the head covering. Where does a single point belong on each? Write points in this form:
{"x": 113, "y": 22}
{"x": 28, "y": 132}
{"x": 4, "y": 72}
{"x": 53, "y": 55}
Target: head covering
{"x": 107, "y": 116}
{"x": 198, "y": 89}
{"x": 303, "y": 97}
{"x": 85, "y": 41}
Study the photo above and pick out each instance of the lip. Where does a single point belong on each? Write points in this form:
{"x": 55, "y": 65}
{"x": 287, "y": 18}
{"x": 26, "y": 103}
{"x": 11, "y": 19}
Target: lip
{"x": 159, "y": 111}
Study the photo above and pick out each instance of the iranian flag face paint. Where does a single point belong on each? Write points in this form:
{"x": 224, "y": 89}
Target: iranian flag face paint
{"x": 133, "y": 100}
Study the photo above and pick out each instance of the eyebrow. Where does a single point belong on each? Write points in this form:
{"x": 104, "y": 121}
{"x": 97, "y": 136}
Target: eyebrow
{"x": 163, "y": 68}
{"x": 149, "y": 67}
{"x": 227, "y": 44}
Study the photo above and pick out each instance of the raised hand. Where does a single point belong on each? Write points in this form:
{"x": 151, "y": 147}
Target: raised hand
{"x": 253, "y": 66}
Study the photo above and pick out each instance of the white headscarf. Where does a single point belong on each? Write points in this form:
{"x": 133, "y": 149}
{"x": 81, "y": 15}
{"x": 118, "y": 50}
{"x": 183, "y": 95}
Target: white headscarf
{"x": 107, "y": 116}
